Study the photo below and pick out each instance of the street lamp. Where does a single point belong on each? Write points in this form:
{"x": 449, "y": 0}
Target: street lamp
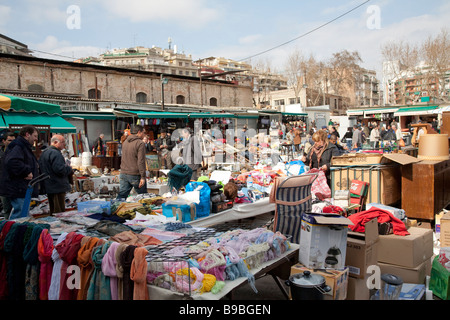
{"x": 163, "y": 82}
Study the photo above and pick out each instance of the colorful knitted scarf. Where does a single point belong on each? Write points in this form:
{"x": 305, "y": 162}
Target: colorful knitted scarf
{"x": 99, "y": 287}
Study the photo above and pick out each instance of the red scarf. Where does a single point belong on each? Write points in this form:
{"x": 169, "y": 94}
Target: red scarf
{"x": 45, "y": 249}
{"x": 68, "y": 252}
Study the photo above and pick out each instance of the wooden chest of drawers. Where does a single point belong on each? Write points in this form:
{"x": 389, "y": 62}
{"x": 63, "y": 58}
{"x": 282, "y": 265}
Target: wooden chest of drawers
{"x": 425, "y": 188}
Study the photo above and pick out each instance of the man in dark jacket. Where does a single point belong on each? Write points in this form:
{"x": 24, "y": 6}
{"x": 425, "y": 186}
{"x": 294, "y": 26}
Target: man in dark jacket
{"x": 20, "y": 166}
{"x": 132, "y": 166}
{"x": 52, "y": 162}
{"x": 6, "y": 202}
{"x": 164, "y": 146}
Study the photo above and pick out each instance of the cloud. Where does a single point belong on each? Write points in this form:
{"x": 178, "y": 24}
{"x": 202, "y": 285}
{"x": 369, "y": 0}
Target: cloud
{"x": 52, "y": 48}
{"x": 5, "y": 14}
{"x": 188, "y": 13}
{"x": 250, "y": 39}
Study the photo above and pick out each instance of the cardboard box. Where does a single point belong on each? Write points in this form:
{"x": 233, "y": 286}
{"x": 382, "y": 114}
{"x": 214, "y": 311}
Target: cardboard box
{"x": 408, "y": 275}
{"x": 384, "y": 181}
{"x": 370, "y": 159}
{"x": 362, "y": 250}
{"x": 323, "y": 239}
{"x": 357, "y": 289}
{"x": 444, "y": 227}
{"x": 337, "y": 280}
{"x": 408, "y": 251}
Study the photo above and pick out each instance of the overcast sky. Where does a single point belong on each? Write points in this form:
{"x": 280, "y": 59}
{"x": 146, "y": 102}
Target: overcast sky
{"x": 265, "y": 31}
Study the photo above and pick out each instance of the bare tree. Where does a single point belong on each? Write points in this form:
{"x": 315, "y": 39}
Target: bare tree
{"x": 435, "y": 51}
{"x": 345, "y": 70}
{"x": 296, "y": 71}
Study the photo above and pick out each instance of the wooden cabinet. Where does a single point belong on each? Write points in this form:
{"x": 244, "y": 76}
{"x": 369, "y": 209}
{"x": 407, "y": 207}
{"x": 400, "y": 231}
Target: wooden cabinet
{"x": 109, "y": 162}
{"x": 425, "y": 188}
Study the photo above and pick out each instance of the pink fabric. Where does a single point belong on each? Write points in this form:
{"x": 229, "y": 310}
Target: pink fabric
{"x": 109, "y": 268}
{"x": 320, "y": 185}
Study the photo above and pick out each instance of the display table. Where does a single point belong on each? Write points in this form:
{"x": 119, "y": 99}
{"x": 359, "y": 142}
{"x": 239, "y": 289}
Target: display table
{"x": 239, "y": 211}
{"x": 286, "y": 260}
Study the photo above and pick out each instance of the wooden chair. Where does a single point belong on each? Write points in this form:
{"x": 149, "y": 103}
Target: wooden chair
{"x": 358, "y": 193}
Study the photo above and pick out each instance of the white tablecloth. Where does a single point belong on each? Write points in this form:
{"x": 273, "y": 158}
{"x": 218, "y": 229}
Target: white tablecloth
{"x": 239, "y": 211}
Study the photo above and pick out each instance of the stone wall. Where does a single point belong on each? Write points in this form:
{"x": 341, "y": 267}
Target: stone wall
{"x": 54, "y": 77}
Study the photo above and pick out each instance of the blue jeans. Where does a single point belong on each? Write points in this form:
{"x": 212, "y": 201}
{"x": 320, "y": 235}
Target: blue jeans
{"x": 17, "y": 204}
{"x": 128, "y": 182}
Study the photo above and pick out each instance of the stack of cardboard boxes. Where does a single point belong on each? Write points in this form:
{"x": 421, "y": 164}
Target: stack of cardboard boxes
{"x": 322, "y": 251}
{"x": 362, "y": 253}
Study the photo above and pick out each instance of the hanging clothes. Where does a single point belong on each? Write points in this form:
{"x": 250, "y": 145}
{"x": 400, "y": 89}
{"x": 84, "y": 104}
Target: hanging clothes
{"x": 99, "y": 287}
{"x": 5, "y": 228}
{"x": 14, "y": 244}
{"x": 53, "y": 291}
{"x": 126, "y": 259}
{"x": 68, "y": 251}
{"x": 119, "y": 270}
{"x": 138, "y": 274}
{"x": 85, "y": 264}
{"x": 45, "y": 248}
{"x": 109, "y": 263}
{"x": 31, "y": 258}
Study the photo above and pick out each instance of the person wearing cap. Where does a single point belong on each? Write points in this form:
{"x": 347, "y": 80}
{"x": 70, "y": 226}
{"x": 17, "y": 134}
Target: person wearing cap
{"x": 164, "y": 146}
{"x": 132, "y": 166}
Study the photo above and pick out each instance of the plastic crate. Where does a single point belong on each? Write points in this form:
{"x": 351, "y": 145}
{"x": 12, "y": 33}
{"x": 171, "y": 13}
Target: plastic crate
{"x": 94, "y": 206}
{"x": 181, "y": 212}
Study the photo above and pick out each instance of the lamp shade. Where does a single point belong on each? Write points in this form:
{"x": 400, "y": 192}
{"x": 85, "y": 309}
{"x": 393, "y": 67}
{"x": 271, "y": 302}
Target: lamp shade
{"x": 433, "y": 147}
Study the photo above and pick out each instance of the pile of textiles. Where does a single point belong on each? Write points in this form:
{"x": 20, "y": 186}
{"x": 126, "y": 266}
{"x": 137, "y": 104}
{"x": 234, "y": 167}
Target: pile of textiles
{"x": 33, "y": 266}
{"x": 205, "y": 265}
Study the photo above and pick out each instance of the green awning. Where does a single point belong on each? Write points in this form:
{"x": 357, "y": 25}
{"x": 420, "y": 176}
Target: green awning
{"x": 97, "y": 115}
{"x": 57, "y": 124}
{"x": 415, "y": 111}
{"x": 12, "y": 103}
{"x": 211, "y": 115}
{"x": 156, "y": 114}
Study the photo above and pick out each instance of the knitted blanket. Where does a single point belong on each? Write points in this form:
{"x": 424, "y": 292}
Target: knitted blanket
{"x": 179, "y": 176}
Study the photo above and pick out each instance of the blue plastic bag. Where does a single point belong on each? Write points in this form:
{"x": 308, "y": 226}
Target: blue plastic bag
{"x": 203, "y": 208}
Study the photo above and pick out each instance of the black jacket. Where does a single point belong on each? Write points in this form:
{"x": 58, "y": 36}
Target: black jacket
{"x": 330, "y": 151}
{"x": 18, "y": 163}
{"x": 52, "y": 163}
{"x": 160, "y": 141}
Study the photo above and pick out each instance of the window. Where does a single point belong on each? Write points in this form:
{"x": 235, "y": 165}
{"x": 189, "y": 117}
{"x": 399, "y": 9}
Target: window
{"x": 141, "y": 97}
{"x": 35, "y": 88}
{"x": 279, "y": 102}
{"x": 181, "y": 99}
{"x": 213, "y": 102}
{"x": 91, "y": 94}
